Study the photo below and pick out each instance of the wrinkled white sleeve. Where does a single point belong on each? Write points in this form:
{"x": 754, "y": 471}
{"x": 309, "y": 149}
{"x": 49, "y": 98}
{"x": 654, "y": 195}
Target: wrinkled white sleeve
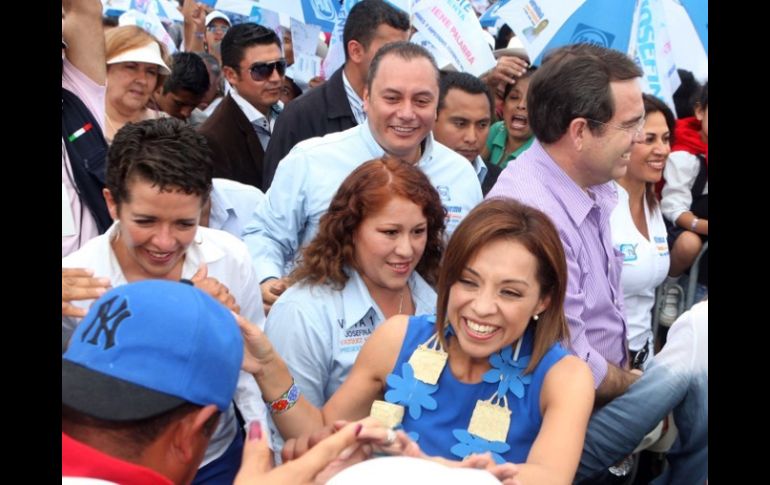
{"x": 680, "y": 173}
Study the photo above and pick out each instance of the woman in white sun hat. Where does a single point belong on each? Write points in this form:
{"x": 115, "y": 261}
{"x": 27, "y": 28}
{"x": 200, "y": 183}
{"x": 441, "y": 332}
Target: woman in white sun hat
{"x": 136, "y": 64}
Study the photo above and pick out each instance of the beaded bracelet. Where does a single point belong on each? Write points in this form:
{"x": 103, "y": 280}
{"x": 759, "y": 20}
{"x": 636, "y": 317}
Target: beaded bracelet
{"x": 286, "y": 401}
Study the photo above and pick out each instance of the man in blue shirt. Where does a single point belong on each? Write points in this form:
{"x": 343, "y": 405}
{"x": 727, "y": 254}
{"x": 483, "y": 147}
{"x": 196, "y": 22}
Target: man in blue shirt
{"x": 400, "y": 99}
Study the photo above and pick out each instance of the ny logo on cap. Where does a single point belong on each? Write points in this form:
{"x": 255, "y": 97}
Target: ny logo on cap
{"x": 107, "y": 322}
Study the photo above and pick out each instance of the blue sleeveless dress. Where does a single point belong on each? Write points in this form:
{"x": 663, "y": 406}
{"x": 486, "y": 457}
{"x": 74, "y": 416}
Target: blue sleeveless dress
{"x": 438, "y": 416}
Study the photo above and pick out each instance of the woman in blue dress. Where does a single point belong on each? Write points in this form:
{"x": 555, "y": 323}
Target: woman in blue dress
{"x": 486, "y": 374}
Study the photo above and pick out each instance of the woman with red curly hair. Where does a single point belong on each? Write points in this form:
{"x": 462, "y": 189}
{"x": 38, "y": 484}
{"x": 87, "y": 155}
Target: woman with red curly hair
{"x": 376, "y": 255}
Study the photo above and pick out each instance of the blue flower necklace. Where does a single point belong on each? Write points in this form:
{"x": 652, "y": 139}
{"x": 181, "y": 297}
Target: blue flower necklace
{"x": 491, "y": 418}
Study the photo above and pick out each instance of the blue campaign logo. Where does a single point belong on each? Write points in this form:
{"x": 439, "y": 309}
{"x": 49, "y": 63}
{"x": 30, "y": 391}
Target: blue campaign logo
{"x": 320, "y": 12}
{"x": 629, "y": 252}
{"x": 255, "y": 15}
{"x": 592, "y": 35}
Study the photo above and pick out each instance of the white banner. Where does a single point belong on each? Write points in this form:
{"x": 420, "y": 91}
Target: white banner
{"x": 453, "y": 25}
{"x": 304, "y": 38}
{"x": 536, "y": 22}
{"x": 651, "y": 50}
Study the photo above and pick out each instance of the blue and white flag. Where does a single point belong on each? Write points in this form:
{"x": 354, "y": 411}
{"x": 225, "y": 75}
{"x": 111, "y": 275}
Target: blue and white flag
{"x": 651, "y": 49}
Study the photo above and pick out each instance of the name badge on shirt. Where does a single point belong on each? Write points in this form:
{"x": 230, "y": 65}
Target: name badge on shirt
{"x": 661, "y": 245}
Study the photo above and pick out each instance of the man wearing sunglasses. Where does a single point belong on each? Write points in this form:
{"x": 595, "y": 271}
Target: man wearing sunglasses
{"x": 240, "y": 127}
{"x": 337, "y": 104}
{"x": 400, "y": 99}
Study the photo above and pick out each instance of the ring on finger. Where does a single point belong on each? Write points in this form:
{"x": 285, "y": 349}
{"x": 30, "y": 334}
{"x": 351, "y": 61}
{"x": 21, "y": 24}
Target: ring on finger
{"x": 391, "y": 438}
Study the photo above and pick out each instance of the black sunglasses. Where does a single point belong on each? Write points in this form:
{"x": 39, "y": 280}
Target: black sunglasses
{"x": 263, "y": 70}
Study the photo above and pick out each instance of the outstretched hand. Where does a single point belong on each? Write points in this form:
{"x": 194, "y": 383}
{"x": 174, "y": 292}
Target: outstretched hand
{"x": 312, "y": 467}
{"x": 80, "y": 284}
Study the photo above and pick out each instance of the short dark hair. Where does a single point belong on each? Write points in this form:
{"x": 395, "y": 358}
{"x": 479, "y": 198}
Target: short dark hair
{"x": 242, "y": 36}
{"x": 135, "y": 436}
{"x": 703, "y": 96}
{"x": 166, "y": 152}
{"x": 686, "y": 95}
{"x": 465, "y": 82}
{"x": 188, "y": 72}
{"x": 504, "y": 36}
{"x": 574, "y": 81}
{"x": 364, "y": 18}
{"x": 403, "y": 49}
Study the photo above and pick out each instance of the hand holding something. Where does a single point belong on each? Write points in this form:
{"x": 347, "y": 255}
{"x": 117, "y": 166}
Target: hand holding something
{"x": 79, "y": 284}
{"x": 506, "y": 472}
{"x": 271, "y": 290}
{"x": 507, "y": 70}
{"x": 313, "y": 466}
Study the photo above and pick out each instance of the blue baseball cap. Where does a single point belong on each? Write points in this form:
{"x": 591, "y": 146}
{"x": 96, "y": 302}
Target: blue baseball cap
{"x": 147, "y": 347}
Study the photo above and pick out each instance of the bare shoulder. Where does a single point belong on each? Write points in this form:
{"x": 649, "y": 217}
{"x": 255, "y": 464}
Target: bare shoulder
{"x": 382, "y": 348}
{"x": 570, "y": 368}
{"x": 569, "y": 375}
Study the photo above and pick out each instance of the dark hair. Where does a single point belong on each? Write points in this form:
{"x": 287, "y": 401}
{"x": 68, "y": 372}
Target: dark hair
{"x": 527, "y": 73}
{"x": 686, "y": 94}
{"x": 109, "y": 21}
{"x": 655, "y": 105}
{"x": 166, "y": 152}
{"x": 504, "y": 36}
{"x": 242, "y": 36}
{"x": 211, "y": 62}
{"x": 133, "y": 436}
{"x": 506, "y": 219}
{"x": 703, "y": 96}
{"x": 364, "y": 18}
{"x": 574, "y": 81}
{"x": 188, "y": 72}
{"x": 404, "y": 50}
{"x": 465, "y": 82}
{"x": 364, "y": 192}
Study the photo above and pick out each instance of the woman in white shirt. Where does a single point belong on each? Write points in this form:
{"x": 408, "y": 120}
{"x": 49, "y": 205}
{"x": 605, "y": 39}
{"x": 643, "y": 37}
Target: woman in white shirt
{"x": 638, "y": 231}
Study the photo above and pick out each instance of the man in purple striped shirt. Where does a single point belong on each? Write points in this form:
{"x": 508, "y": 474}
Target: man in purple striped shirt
{"x": 585, "y": 109}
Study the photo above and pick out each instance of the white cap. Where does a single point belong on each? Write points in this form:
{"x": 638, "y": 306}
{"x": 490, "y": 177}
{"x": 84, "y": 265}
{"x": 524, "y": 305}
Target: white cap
{"x": 406, "y": 470}
{"x": 216, "y": 14}
{"x": 149, "y": 53}
{"x": 515, "y": 48}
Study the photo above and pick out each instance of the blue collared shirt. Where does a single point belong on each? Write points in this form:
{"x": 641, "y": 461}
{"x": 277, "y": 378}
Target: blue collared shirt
{"x": 309, "y": 176}
{"x": 232, "y": 204}
{"x": 481, "y": 168}
{"x": 318, "y": 331}
{"x": 356, "y": 103}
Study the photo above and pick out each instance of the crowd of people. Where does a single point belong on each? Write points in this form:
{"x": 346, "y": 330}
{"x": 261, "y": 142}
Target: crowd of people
{"x": 400, "y": 260}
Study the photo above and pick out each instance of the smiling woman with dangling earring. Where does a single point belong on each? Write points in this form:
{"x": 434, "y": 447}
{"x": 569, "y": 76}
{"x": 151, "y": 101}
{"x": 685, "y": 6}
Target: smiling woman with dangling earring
{"x": 487, "y": 373}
